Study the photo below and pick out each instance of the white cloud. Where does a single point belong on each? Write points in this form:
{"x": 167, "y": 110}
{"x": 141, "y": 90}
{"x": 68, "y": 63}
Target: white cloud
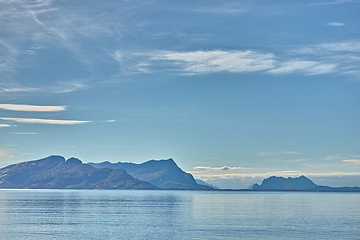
{"x": 224, "y": 168}
{"x": 351, "y": 161}
{"x": 345, "y": 46}
{"x": 334, "y": 2}
{"x": 5, "y": 125}
{"x": 32, "y": 108}
{"x": 278, "y": 153}
{"x": 45, "y": 121}
{"x": 236, "y": 61}
{"x": 291, "y": 153}
{"x": 330, "y": 48}
{"x": 66, "y": 87}
{"x": 25, "y": 133}
{"x": 18, "y": 89}
{"x": 62, "y": 87}
{"x": 333, "y": 157}
{"x": 218, "y": 61}
{"x": 110, "y": 121}
{"x": 335, "y": 24}
{"x": 307, "y": 67}
{"x": 30, "y": 26}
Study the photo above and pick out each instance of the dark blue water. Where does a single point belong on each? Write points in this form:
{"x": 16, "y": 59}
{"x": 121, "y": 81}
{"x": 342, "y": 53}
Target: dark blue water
{"x": 112, "y": 214}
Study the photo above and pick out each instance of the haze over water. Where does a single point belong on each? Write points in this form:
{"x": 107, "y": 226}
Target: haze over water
{"x": 112, "y": 214}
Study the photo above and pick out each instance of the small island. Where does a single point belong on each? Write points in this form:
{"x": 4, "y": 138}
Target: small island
{"x": 301, "y": 183}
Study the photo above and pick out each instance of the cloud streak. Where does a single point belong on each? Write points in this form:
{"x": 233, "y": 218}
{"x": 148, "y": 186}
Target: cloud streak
{"x": 234, "y": 61}
{"x": 218, "y": 61}
{"x": 31, "y": 27}
{"x": 336, "y": 24}
{"x": 45, "y": 121}
{"x": 224, "y": 168}
{"x": 18, "y": 89}
{"x": 307, "y": 67}
{"x": 352, "y": 161}
{"x": 24, "y": 133}
{"x": 32, "y": 108}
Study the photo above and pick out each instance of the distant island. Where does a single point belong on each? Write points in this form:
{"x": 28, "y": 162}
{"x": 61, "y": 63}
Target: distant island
{"x": 55, "y": 172}
{"x": 301, "y": 183}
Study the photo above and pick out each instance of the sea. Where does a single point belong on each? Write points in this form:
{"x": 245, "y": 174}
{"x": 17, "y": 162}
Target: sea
{"x": 170, "y": 215}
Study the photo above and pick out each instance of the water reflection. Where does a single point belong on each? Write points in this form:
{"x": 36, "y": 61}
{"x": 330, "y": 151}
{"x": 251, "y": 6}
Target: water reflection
{"x": 111, "y": 214}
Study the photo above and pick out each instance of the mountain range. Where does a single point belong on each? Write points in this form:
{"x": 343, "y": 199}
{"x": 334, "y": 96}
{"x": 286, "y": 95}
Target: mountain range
{"x": 164, "y": 174}
{"x": 58, "y": 173}
{"x": 54, "y": 172}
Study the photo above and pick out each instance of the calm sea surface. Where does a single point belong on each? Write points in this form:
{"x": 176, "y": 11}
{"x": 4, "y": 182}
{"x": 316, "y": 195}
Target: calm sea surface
{"x": 113, "y": 214}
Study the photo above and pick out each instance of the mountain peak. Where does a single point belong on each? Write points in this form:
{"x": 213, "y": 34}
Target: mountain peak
{"x": 53, "y": 158}
{"x": 73, "y": 161}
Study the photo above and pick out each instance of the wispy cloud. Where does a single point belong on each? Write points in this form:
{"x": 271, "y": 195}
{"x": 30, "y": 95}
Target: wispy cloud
{"x": 307, "y": 67}
{"x": 218, "y": 61}
{"x": 345, "y": 46}
{"x": 58, "y": 88}
{"x": 32, "y": 108}
{"x": 233, "y": 61}
{"x": 340, "y": 57}
{"x": 24, "y": 133}
{"x": 5, "y": 125}
{"x": 335, "y": 24}
{"x": 278, "y": 153}
{"x": 224, "y": 168}
{"x": 10, "y": 89}
{"x": 351, "y": 161}
{"x": 335, "y": 2}
{"x": 34, "y": 26}
{"x": 328, "y": 49}
{"x": 223, "y": 8}
{"x": 292, "y": 153}
{"x": 45, "y": 121}
{"x": 66, "y": 87}
{"x": 110, "y": 121}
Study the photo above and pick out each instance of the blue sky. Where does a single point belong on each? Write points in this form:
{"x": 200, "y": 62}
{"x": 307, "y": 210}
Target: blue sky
{"x": 234, "y": 91}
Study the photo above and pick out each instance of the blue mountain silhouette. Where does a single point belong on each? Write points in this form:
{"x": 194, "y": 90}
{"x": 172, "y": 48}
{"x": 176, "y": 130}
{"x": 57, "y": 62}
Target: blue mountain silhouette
{"x": 164, "y": 174}
{"x": 54, "y": 172}
{"x": 301, "y": 183}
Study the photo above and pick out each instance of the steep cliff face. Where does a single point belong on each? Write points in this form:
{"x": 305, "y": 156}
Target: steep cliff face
{"x": 54, "y": 172}
{"x": 161, "y": 173}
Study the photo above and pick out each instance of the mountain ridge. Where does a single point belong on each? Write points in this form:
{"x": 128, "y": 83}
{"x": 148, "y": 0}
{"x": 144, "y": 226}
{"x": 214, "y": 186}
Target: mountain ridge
{"x": 54, "y": 172}
{"x": 164, "y": 174}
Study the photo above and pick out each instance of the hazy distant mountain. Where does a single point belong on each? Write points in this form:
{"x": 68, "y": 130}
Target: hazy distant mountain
{"x": 54, "y": 172}
{"x": 280, "y": 183}
{"x": 201, "y": 182}
{"x": 297, "y": 184}
{"x": 161, "y": 173}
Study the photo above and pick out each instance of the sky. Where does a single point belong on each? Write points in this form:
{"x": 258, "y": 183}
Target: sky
{"x": 233, "y": 91}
